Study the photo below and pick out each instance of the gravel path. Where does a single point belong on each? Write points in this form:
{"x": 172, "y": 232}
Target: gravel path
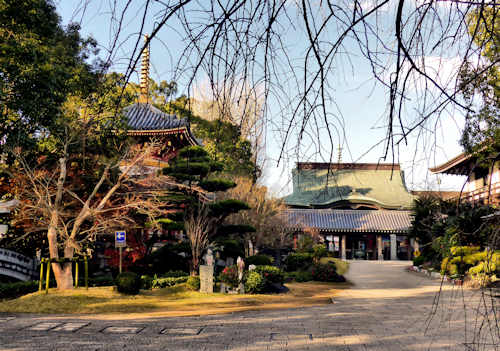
{"x": 388, "y": 309}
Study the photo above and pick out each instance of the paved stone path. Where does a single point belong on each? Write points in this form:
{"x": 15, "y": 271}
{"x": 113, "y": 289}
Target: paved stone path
{"x": 387, "y": 309}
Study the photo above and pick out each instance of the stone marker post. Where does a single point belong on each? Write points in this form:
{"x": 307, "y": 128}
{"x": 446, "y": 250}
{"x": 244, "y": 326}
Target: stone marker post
{"x": 207, "y": 273}
{"x": 207, "y": 279}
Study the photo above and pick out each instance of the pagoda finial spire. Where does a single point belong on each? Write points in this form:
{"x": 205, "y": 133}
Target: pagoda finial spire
{"x": 144, "y": 85}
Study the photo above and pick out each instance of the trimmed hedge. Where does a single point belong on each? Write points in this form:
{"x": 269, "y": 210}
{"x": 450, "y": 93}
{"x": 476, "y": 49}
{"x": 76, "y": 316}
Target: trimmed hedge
{"x": 128, "y": 283}
{"x": 264, "y": 279}
{"x": 174, "y": 274}
{"x": 271, "y": 274}
{"x": 299, "y": 276}
{"x": 146, "y": 282}
{"x": 165, "y": 282}
{"x": 193, "y": 283}
{"x": 298, "y": 261}
{"x": 326, "y": 273}
{"x": 254, "y": 283}
{"x": 419, "y": 260}
{"x": 13, "y": 290}
{"x": 259, "y": 260}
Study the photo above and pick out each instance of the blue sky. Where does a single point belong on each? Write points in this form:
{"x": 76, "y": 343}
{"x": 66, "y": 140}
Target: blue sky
{"x": 359, "y": 102}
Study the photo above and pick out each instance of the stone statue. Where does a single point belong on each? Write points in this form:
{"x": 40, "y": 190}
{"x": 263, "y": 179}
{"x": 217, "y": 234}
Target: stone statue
{"x": 209, "y": 257}
{"x": 241, "y": 266}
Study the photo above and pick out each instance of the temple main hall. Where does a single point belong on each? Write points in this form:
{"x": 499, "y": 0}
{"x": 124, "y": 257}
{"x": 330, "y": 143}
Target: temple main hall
{"x": 360, "y": 210}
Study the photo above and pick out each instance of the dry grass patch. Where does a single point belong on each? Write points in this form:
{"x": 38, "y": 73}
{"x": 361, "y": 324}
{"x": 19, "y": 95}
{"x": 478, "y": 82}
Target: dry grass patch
{"x": 174, "y": 301}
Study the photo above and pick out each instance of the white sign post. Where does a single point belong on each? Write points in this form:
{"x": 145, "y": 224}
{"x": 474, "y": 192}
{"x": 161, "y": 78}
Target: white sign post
{"x": 120, "y": 243}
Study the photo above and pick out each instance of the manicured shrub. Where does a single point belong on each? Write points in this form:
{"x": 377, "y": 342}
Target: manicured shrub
{"x": 271, "y": 274}
{"x": 232, "y": 248}
{"x": 174, "y": 274}
{"x": 163, "y": 260}
{"x": 298, "y": 261}
{"x": 468, "y": 260}
{"x": 419, "y": 260}
{"x": 326, "y": 273}
{"x": 259, "y": 260}
{"x": 13, "y": 290}
{"x": 340, "y": 265}
{"x": 193, "y": 283}
{"x": 319, "y": 251}
{"x": 299, "y": 276}
{"x": 229, "y": 276}
{"x": 165, "y": 282}
{"x": 146, "y": 282}
{"x": 254, "y": 283}
{"x": 128, "y": 283}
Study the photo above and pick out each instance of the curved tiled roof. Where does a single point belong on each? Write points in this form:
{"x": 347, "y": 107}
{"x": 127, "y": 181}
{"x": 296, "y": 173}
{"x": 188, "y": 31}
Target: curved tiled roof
{"x": 147, "y": 117}
{"x": 380, "y": 221}
{"x": 384, "y": 188}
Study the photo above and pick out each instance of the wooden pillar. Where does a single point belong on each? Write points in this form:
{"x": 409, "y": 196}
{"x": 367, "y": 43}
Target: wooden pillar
{"x": 342, "y": 247}
{"x": 380, "y": 252}
{"x": 394, "y": 247}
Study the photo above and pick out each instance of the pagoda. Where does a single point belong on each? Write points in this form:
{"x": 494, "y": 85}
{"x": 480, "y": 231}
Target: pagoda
{"x": 146, "y": 122}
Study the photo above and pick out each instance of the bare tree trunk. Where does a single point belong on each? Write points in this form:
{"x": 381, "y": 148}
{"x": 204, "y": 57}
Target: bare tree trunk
{"x": 195, "y": 265}
{"x": 62, "y": 272}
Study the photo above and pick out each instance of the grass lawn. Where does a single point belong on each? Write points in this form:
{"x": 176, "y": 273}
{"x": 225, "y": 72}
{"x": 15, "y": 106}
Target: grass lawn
{"x": 174, "y": 301}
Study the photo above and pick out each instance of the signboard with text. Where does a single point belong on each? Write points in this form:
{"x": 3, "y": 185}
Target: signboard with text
{"x": 120, "y": 239}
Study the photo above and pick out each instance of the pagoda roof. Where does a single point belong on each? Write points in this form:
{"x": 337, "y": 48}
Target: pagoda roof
{"x": 361, "y": 221}
{"x": 145, "y": 119}
{"x": 317, "y": 185}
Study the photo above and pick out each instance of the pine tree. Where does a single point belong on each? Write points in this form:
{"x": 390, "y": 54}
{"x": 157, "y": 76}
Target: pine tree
{"x": 199, "y": 213}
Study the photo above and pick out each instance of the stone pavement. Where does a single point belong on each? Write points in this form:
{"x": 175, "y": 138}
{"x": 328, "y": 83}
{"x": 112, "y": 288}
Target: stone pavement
{"x": 387, "y": 309}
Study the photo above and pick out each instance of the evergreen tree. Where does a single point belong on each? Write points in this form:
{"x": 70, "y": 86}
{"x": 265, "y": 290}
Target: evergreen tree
{"x": 200, "y": 214}
{"x": 481, "y": 85}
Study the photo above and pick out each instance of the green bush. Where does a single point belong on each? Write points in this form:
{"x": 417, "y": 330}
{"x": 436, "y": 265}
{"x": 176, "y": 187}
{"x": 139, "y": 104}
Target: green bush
{"x": 174, "y": 274}
{"x": 166, "y": 282}
{"x": 319, "y": 251}
{"x": 193, "y": 283}
{"x": 106, "y": 280}
{"x": 146, "y": 282}
{"x": 163, "y": 261}
{"x": 13, "y": 290}
{"x": 259, "y": 260}
{"x": 419, "y": 260}
{"x": 340, "y": 265}
{"x": 232, "y": 248}
{"x": 298, "y": 261}
{"x": 299, "y": 276}
{"x": 305, "y": 244}
{"x": 326, "y": 273}
{"x": 229, "y": 276}
{"x": 271, "y": 274}
{"x": 254, "y": 283}
{"x": 128, "y": 283}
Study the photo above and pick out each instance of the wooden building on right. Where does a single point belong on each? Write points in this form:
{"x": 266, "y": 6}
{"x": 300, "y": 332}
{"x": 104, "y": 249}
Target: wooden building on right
{"x": 483, "y": 182}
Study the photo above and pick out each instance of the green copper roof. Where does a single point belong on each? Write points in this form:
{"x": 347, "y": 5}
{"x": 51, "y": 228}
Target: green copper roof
{"x": 318, "y": 187}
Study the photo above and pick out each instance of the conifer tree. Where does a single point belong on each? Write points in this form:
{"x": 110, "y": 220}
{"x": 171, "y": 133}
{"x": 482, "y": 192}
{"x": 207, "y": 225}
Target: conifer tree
{"x": 200, "y": 214}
